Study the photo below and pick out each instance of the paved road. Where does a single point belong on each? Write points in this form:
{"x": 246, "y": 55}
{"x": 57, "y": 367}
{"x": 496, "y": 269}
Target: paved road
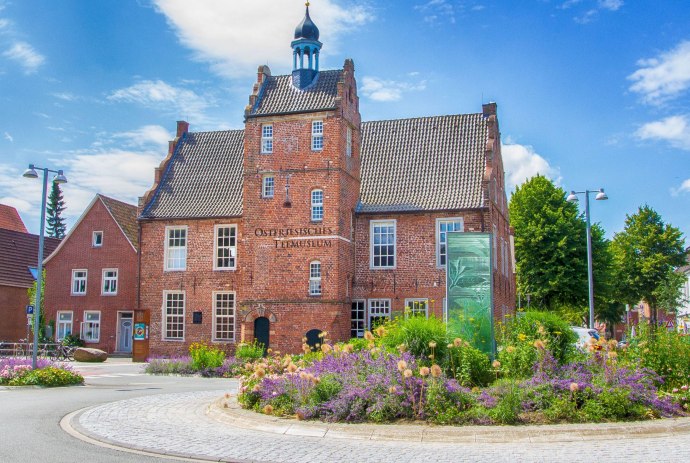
{"x": 30, "y": 417}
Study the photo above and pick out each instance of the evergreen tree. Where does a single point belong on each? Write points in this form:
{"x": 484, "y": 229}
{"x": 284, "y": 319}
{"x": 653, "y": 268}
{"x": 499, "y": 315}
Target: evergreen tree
{"x": 56, "y": 205}
{"x": 646, "y": 252}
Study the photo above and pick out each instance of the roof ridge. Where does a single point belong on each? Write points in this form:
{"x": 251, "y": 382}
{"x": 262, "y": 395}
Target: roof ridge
{"x": 320, "y": 71}
{"x": 215, "y": 131}
{"x": 423, "y": 117}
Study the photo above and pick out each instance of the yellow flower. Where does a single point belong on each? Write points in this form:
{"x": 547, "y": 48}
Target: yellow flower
{"x": 407, "y": 373}
{"x": 268, "y": 410}
{"x": 260, "y": 372}
{"x": 432, "y": 344}
{"x": 326, "y": 348}
{"x": 402, "y": 365}
{"x": 510, "y": 349}
{"x": 368, "y": 336}
{"x": 496, "y": 364}
{"x": 539, "y": 344}
{"x": 522, "y": 337}
{"x": 292, "y": 368}
{"x": 424, "y": 371}
{"x": 457, "y": 342}
{"x": 436, "y": 371}
{"x": 392, "y": 389}
{"x": 380, "y": 331}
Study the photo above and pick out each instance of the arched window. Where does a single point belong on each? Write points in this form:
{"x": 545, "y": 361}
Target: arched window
{"x": 315, "y": 278}
{"x": 317, "y": 205}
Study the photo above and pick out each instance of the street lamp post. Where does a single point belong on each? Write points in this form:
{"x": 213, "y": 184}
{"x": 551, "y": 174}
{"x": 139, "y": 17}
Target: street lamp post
{"x": 59, "y": 178}
{"x": 572, "y": 197}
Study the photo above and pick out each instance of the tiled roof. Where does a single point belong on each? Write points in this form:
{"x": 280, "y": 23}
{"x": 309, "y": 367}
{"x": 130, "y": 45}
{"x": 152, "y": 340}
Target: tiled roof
{"x": 10, "y": 220}
{"x": 19, "y": 252}
{"x": 279, "y": 96}
{"x": 126, "y": 217}
{"x": 203, "y": 178}
{"x": 427, "y": 163}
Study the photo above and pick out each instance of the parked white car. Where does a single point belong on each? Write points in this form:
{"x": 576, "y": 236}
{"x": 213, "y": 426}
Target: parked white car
{"x": 584, "y": 335}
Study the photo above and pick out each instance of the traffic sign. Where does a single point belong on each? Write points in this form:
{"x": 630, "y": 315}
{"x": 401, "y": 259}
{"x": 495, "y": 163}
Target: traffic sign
{"x": 29, "y": 310}
{"x": 670, "y": 325}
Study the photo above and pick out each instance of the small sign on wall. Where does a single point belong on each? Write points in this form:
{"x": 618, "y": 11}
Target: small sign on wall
{"x": 139, "y": 331}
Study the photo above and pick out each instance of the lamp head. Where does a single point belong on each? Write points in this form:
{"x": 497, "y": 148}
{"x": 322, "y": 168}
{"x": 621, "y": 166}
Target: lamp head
{"x": 30, "y": 172}
{"x": 572, "y": 197}
{"x": 601, "y": 196}
{"x": 60, "y": 177}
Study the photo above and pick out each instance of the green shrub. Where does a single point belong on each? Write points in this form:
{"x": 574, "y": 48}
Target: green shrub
{"x": 327, "y": 388}
{"x": 205, "y": 356}
{"x": 249, "y": 350}
{"x": 547, "y": 327}
{"x": 445, "y": 407}
{"x": 508, "y": 408}
{"x": 48, "y": 376}
{"x": 518, "y": 360}
{"x": 425, "y": 338}
{"x": 467, "y": 364}
{"x": 170, "y": 366}
{"x": 73, "y": 340}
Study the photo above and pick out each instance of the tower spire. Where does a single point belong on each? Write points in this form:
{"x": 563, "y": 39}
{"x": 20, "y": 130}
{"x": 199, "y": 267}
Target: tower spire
{"x": 305, "y": 52}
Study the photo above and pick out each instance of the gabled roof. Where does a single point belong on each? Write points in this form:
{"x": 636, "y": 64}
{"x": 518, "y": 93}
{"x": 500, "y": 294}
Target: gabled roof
{"x": 279, "y": 96}
{"x": 126, "y": 217}
{"x": 203, "y": 178}
{"x": 18, "y": 253}
{"x": 10, "y": 220}
{"x": 426, "y": 163}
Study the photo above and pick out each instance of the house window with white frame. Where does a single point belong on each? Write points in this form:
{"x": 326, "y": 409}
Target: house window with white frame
{"x": 109, "y": 287}
{"x": 417, "y": 307}
{"x": 225, "y": 247}
{"x": 224, "y": 316}
{"x": 267, "y": 139}
{"x": 91, "y": 326}
{"x": 348, "y": 142}
{"x": 176, "y": 248}
{"x": 317, "y": 205}
{"x": 97, "y": 239}
{"x": 317, "y": 135}
{"x": 315, "y": 278}
{"x": 358, "y": 321}
{"x": 64, "y": 323}
{"x": 79, "y": 278}
{"x": 268, "y": 186}
{"x": 443, "y": 227}
{"x": 382, "y": 243}
{"x": 173, "y": 315}
{"x": 379, "y": 312}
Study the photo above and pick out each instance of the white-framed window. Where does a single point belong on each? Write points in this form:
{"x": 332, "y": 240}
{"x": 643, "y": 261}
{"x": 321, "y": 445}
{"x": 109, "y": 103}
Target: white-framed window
{"x": 268, "y": 186}
{"x": 176, "y": 248}
{"x": 317, "y": 135}
{"x": 315, "y": 278}
{"x": 97, "y": 239}
{"x": 267, "y": 138}
{"x": 417, "y": 306}
{"x": 109, "y": 286}
{"x": 382, "y": 243}
{"x": 348, "y": 141}
{"x": 443, "y": 226}
{"x": 225, "y": 239}
{"x": 358, "y": 320}
{"x": 223, "y": 316}
{"x": 79, "y": 278}
{"x": 64, "y": 326}
{"x": 91, "y": 326}
{"x": 317, "y": 205}
{"x": 379, "y": 312}
{"x": 173, "y": 315}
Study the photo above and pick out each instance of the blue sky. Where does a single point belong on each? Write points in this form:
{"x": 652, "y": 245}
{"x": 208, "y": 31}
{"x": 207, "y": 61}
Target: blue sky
{"x": 592, "y": 93}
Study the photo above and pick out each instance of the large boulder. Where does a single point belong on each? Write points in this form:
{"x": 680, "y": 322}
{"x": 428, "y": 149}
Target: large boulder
{"x": 86, "y": 354}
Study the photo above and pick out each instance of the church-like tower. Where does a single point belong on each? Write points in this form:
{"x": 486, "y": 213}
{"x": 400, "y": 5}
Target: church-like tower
{"x": 305, "y": 52}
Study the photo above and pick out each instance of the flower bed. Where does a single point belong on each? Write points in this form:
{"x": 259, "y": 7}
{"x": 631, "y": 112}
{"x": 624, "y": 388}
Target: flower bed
{"x": 19, "y": 372}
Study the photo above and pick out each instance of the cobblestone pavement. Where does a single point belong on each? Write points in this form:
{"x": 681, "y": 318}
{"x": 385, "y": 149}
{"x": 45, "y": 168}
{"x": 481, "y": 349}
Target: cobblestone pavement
{"x": 195, "y": 425}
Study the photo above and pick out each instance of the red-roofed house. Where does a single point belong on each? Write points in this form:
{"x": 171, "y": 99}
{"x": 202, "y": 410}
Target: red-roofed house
{"x": 91, "y": 278}
{"x": 10, "y": 220}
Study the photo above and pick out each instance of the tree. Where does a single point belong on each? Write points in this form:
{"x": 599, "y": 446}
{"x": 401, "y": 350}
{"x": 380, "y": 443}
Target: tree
{"x": 646, "y": 253}
{"x": 551, "y": 249}
{"x": 56, "y": 205}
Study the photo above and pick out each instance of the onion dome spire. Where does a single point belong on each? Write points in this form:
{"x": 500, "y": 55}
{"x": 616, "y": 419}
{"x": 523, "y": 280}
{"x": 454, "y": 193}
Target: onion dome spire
{"x": 305, "y": 52}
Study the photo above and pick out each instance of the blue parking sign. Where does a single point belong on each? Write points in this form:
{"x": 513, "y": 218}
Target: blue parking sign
{"x": 29, "y": 310}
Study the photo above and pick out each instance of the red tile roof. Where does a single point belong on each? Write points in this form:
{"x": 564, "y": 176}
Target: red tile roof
{"x": 10, "y": 220}
{"x": 19, "y": 252}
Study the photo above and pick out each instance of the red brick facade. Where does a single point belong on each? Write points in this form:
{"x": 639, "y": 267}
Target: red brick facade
{"x": 79, "y": 252}
{"x": 277, "y": 240}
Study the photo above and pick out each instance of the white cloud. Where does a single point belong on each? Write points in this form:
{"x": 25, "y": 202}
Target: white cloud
{"x": 611, "y": 5}
{"x": 4, "y": 24}
{"x": 9, "y": 137}
{"x": 673, "y": 129}
{"x": 664, "y": 77}
{"x": 683, "y": 188}
{"x": 65, "y": 96}
{"x": 147, "y": 135}
{"x": 379, "y": 89}
{"x": 26, "y": 56}
{"x": 521, "y": 162}
{"x": 435, "y": 9}
{"x": 235, "y": 37}
{"x": 161, "y": 95}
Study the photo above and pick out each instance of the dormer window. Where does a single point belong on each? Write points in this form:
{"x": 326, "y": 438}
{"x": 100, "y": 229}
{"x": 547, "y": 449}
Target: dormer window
{"x": 317, "y": 135}
{"x": 97, "y": 240}
{"x": 267, "y": 139}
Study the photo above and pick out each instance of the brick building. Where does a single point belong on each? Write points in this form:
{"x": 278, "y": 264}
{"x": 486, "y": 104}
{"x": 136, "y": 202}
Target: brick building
{"x": 18, "y": 261}
{"x": 310, "y": 220}
{"x": 91, "y": 278}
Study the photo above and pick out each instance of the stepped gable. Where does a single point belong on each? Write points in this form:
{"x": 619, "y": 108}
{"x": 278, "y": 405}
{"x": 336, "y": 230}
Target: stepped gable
{"x": 423, "y": 164}
{"x": 203, "y": 178}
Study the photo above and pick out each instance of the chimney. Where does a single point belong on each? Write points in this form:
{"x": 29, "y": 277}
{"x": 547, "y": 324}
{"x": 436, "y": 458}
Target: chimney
{"x": 489, "y": 109}
{"x": 182, "y": 128}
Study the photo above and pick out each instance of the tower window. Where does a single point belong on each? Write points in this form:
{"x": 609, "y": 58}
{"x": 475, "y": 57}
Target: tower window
{"x": 348, "y": 142}
{"x": 317, "y": 135}
{"x": 315, "y": 278}
{"x": 267, "y": 139}
{"x": 268, "y": 186}
{"x": 317, "y": 205}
